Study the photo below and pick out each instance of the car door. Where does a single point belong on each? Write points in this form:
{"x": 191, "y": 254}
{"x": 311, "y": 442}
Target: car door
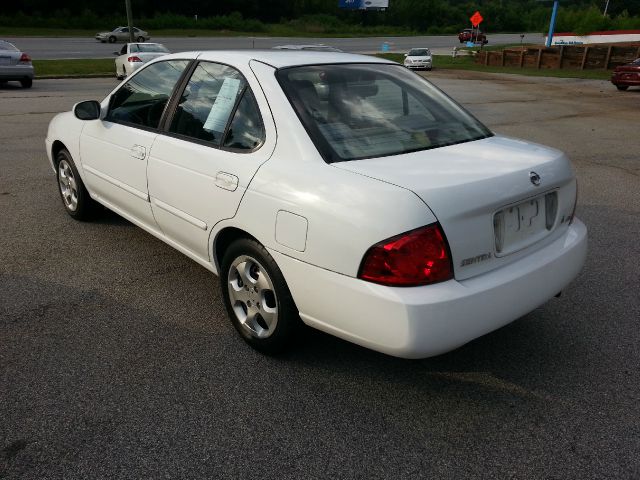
{"x": 114, "y": 151}
{"x": 123, "y": 34}
{"x": 219, "y": 134}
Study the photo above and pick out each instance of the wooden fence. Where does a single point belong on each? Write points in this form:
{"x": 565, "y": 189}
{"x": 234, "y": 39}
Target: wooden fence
{"x": 566, "y": 56}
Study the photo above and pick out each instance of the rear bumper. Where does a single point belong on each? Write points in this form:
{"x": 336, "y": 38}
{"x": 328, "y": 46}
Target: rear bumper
{"x": 16, "y": 72}
{"x": 424, "y": 321}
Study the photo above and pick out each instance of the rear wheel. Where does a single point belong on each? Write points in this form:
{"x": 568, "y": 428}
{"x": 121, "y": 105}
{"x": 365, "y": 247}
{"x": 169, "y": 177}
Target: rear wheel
{"x": 26, "y": 82}
{"x": 257, "y": 298}
{"x": 75, "y": 198}
{"x": 622, "y": 87}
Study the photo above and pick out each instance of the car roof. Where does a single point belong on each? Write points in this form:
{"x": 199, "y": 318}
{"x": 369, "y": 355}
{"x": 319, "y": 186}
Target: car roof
{"x": 282, "y": 58}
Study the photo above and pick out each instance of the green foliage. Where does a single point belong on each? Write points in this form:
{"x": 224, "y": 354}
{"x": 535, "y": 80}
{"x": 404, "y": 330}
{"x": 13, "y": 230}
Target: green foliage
{"x": 323, "y": 17}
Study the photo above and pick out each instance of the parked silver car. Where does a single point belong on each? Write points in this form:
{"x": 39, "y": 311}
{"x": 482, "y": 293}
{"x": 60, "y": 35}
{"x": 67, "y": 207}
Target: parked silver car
{"x": 122, "y": 34}
{"x": 15, "y": 65}
{"x": 133, "y": 55}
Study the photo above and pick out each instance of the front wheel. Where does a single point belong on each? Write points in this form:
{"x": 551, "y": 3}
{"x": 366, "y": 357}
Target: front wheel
{"x": 112, "y": 39}
{"x": 622, "y": 87}
{"x": 75, "y": 197}
{"x": 257, "y": 298}
{"x": 140, "y": 39}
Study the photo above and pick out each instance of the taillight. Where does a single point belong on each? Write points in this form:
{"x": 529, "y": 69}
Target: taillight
{"x": 134, "y": 59}
{"x": 418, "y": 257}
{"x": 24, "y": 58}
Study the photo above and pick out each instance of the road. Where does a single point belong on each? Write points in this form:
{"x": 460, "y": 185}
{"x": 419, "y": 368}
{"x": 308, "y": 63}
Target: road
{"x": 117, "y": 359}
{"x": 74, "y": 47}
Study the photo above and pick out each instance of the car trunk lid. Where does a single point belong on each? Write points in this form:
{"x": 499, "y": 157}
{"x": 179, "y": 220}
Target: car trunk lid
{"x": 484, "y": 195}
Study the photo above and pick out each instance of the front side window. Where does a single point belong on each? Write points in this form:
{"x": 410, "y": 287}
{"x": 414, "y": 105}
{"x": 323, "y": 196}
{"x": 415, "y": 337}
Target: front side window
{"x": 361, "y": 111}
{"x": 142, "y": 99}
{"x": 218, "y": 107}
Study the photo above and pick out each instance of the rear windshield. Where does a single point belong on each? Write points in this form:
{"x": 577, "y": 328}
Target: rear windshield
{"x": 147, "y": 47}
{"x": 6, "y": 46}
{"x": 419, "y": 52}
{"x": 359, "y": 111}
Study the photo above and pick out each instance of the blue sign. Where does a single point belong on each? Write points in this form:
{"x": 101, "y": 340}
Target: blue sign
{"x": 351, "y": 4}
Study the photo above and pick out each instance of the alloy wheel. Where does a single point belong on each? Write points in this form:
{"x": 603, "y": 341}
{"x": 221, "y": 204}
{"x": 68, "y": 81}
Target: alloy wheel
{"x": 68, "y": 185}
{"x": 252, "y": 297}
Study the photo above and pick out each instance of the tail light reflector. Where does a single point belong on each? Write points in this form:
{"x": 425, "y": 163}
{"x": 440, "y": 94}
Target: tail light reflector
{"x": 24, "y": 58}
{"x": 134, "y": 59}
{"x": 575, "y": 204}
{"x": 418, "y": 257}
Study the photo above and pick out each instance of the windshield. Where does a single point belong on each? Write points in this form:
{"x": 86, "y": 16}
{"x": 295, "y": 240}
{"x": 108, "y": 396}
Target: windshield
{"x": 148, "y": 47}
{"x": 361, "y": 111}
{"x": 419, "y": 52}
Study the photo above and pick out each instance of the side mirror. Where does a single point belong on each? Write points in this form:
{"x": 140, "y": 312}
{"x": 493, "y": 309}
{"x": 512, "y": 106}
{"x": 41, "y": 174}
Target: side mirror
{"x": 88, "y": 110}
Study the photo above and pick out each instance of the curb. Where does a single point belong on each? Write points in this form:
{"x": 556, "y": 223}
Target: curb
{"x": 88, "y": 75}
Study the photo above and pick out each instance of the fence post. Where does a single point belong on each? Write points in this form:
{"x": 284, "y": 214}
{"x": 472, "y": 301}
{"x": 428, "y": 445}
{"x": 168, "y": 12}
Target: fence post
{"x": 486, "y": 58}
{"x": 539, "y": 58}
{"x": 584, "y": 57}
{"x": 521, "y": 58}
{"x": 502, "y": 59}
{"x": 638, "y": 54}
{"x": 608, "y": 57}
{"x": 561, "y": 56}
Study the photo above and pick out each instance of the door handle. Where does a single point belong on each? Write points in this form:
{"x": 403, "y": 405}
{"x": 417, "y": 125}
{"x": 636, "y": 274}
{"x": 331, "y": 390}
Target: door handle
{"x": 226, "y": 181}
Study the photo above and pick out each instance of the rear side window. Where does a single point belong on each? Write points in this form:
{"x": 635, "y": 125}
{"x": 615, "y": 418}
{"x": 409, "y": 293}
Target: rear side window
{"x": 141, "y": 101}
{"x": 218, "y": 107}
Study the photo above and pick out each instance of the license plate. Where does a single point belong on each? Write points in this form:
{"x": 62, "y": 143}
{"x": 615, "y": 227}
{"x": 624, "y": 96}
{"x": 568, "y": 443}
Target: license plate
{"x": 520, "y": 225}
{"x": 5, "y": 60}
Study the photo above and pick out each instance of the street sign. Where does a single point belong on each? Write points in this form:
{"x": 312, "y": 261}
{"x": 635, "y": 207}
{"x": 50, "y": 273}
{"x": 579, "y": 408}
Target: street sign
{"x": 476, "y": 19}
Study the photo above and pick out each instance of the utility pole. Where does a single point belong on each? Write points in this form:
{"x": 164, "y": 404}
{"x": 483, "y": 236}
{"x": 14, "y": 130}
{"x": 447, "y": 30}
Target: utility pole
{"x": 552, "y": 23}
{"x": 606, "y": 7}
{"x": 129, "y": 19}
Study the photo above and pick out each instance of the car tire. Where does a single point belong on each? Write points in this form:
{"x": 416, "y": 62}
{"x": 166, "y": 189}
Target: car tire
{"x": 75, "y": 197}
{"x": 140, "y": 40}
{"x": 257, "y": 298}
{"x": 26, "y": 82}
{"x": 622, "y": 87}
{"x": 112, "y": 39}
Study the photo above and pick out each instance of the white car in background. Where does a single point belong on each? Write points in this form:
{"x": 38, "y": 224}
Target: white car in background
{"x": 121, "y": 34}
{"x": 339, "y": 190}
{"x": 418, "y": 59}
{"x": 133, "y": 55}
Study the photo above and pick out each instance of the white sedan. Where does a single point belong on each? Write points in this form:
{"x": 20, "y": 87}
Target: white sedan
{"x": 133, "y": 55}
{"x": 418, "y": 58}
{"x": 340, "y": 191}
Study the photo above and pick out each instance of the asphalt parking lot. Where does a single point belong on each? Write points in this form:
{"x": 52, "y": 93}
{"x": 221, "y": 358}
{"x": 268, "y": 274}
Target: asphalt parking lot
{"x": 117, "y": 359}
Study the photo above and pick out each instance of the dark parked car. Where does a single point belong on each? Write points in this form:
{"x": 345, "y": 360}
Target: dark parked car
{"x": 472, "y": 35}
{"x": 626, "y": 76}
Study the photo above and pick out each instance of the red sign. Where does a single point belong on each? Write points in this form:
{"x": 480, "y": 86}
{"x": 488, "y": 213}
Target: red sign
{"x": 476, "y": 19}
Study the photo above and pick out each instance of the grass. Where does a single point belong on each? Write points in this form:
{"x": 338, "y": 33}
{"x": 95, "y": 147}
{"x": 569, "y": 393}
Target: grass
{"x": 82, "y": 67}
{"x": 105, "y": 66}
{"x": 467, "y": 63}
